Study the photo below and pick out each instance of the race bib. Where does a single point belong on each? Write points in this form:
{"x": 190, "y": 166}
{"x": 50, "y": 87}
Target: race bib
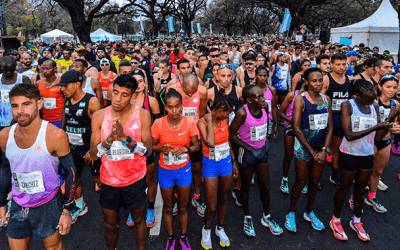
{"x": 189, "y": 112}
{"x": 221, "y": 151}
{"x": 383, "y": 113}
{"x": 105, "y": 95}
{"x": 231, "y": 117}
{"x": 336, "y": 104}
{"x": 283, "y": 74}
{"x": 29, "y": 183}
{"x": 171, "y": 159}
{"x": 318, "y": 121}
{"x": 363, "y": 123}
{"x": 49, "y": 103}
{"x": 259, "y": 133}
{"x": 4, "y": 96}
{"x": 119, "y": 152}
{"x": 75, "y": 139}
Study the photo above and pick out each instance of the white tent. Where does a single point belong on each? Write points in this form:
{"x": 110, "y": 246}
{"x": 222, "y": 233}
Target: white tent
{"x": 380, "y": 29}
{"x": 56, "y": 34}
{"x": 102, "y": 35}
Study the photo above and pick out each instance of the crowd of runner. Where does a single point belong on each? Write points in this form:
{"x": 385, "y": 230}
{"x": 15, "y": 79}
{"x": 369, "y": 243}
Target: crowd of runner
{"x": 199, "y": 112}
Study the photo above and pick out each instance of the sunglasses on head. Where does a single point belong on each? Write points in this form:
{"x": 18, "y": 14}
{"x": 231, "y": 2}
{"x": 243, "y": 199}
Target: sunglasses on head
{"x": 225, "y": 66}
{"x": 390, "y": 77}
{"x": 214, "y": 56}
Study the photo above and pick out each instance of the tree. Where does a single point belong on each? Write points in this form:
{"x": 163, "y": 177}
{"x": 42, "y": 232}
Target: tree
{"x": 187, "y": 10}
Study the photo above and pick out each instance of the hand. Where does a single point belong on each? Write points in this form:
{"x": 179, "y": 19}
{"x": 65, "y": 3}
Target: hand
{"x": 165, "y": 148}
{"x": 96, "y": 180}
{"x": 20, "y": 37}
{"x": 179, "y": 150}
{"x": 319, "y": 157}
{"x": 395, "y": 129}
{"x": 88, "y": 158}
{"x": 235, "y": 170}
{"x": 276, "y": 131}
{"x": 117, "y": 132}
{"x": 383, "y": 125}
{"x": 64, "y": 225}
{"x": 3, "y": 217}
{"x": 394, "y": 112}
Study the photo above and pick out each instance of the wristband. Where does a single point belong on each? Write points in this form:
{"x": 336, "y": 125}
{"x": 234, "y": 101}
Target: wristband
{"x": 188, "y": 148}
{"x": 140, "y": 149}
{"x": 109, "y": 144}
{"x": 234, "y": 160}
{"x": 101, "y": 150}
{"x": 66, "y": 213}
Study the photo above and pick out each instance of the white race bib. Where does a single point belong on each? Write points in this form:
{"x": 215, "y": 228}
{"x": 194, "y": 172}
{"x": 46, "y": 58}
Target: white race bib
{"x": 231, "y": 117}
{"x": 4, "y": 96}
{"x": 75, "y": 139}
{"x": 105, "y": 95}
{"x": 283, "y": 74}
{"x": 119, "y": 152}
{"x": 269, "y": 105}
{"x": 49, "y": 103}
{"x": 363, "y": 123}
{"x": 336, "y": 104}
{"x": 29, "y": 183}
{"x": 384, "y": 113}
{"x": 221, "y": 151}
{"x": 189, "y": 112}
{"x": 171, "y": 159}
{"x": 259, "y": 133}
{"x": 318, "y": 121}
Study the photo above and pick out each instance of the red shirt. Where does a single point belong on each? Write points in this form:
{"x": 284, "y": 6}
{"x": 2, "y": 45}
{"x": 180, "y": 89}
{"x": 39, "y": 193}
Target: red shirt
{"x": 53, "y": 101}
{"x": 174, "y": 59}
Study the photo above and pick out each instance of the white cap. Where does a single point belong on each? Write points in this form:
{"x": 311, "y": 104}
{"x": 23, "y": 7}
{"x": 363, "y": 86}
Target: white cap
{"x": 104, "y": 60}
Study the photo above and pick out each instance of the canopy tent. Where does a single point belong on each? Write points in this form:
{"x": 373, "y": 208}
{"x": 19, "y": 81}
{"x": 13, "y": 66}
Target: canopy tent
{"x": 380, "y": 29}
{"x": 102, "y": 35}
{"x": 56, "y": 34}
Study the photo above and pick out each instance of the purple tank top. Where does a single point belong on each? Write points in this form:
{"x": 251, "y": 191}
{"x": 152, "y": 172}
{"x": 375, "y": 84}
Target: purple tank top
{"x": 254, "y": 131}
{"x": 289, "y": 110}
{"x": 268, "y": 97}
{"x": 35, "y": 180}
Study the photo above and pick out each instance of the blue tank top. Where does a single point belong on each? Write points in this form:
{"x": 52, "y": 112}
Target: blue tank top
{"x": 280, "y": 77}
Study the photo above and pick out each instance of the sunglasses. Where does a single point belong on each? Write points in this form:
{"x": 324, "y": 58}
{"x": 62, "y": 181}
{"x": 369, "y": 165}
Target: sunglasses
{"x": 390, "y": 77}
{"x": 104, "y": 64}
{"x": 375, "y": 50}
{"x": 134, "y": 62}
{"x": 249, "y": 63}
{"x": 225, "y": 66}
{"x": 214, "y": 56}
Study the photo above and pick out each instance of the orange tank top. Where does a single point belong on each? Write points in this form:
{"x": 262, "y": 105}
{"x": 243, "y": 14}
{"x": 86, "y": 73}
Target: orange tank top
{"x": 221, "y": 140}
{"x": 191, "y": 107}
{"x": 120, "y": 167}
{"x": 105, "y": 83}
{"x": 53, "y": 101}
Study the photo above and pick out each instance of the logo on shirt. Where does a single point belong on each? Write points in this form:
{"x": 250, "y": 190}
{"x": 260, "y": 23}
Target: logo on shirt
{"x": 135, "y": 126}
{"x": 79, "y": 112}
{"x": 66, "y": 110}
{"x": 72, "y": 121}
{"x": 195, "y": 100}
{"x": 223, "y": 128}
{"x": 38, "y": 149}
{"x": 66, "y": 103}
{"x": 82, "y": 104}
{"x": 179, "y": 134}
{"x": 341, "y": 94}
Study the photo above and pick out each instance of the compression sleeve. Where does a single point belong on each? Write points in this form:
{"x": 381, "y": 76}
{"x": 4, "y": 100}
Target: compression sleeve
{"x": 67, "y": 163}
{"x": 5, "y": 179}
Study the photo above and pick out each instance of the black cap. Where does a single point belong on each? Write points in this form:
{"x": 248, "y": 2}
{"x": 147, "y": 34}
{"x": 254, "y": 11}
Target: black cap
{"x": 258, "y": 48}
{"x": 70, "y": 77}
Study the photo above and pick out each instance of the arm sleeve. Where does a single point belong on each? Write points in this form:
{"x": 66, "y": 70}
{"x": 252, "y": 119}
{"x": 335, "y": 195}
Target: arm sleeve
{"x": 67, "y": 163}
{"x": 5, "y": 179}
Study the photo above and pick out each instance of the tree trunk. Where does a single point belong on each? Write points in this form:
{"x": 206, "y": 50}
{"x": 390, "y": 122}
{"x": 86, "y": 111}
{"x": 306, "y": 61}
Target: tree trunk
{"x": 81, "y": 26}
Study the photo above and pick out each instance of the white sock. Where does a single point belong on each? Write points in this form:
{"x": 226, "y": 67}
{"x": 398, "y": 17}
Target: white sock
{"x": 356, "y": 219}
{"x": 284, "y": 178}
{"x": 336, "y": 219}
{"x": 247, "y": 217}
{"x": 266, "y": 217}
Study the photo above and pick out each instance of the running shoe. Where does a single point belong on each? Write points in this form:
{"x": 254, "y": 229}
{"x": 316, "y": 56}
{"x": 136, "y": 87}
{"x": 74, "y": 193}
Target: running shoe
{"x": 337, "y": 229}
{"x": 253, "y": 180}
{"x": 130, "y": 221}
{"x": 223, "y": 238}
{"x": 248, "y": 228}
{"x": 175, "y": 209}
{"x": 273, "y": 226}
{"x": 290, "y": 223}
{"x": 329, "y": 158}
{"x": 362, "y": 235}
{"x": 335, "y": 181}
{"x": 185, "y": 243}
{"x": 201, "y": 208}
{"x": 237, "y": 196}
{"x": 376, "y": 205}
{"x": 315, "y": 222}
{"x": 395, "y": 148}
{"x": 79, "y": 212}
{"x": 351, "y": 203}
{"x": 284, "y": 187}
{"x": 150, "y": 218}
{"x": 382, "y": 186}
{"x": 206, "y": 239}
{"x": 304, "y": 190}
{"x": 170, "y": 244}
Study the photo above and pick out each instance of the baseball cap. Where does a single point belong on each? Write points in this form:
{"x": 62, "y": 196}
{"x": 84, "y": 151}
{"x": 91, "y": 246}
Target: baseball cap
{"x": 137, "y": 72}
{"x": 22, "y": 47}
{"x": 258, "y": 48}
{"x": 353, "y": 53}
{"x": 104, "y": 60}
{"x": 70, "y": 77}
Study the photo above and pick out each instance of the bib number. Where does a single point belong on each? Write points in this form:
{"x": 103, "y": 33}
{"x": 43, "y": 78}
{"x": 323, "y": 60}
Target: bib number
{"x": 49, "y": 103}
{"x": 283, "y": 74}
{"x": 75, "y": 139}
{"x": 259, "y": 133}
{"x": 336, "y": 104}
{"x": 189, "y": 112}
{"x": 105, "y": 95}
{"x": 119, "y": 152}
{"x": 384, "y": 113}
{"x": 29, "y": 183}
{"x": 4, "y": 96}
{"x": 318, "y": 121}
{"x": 363, "y": 123}
{"x": 231, "y": 117}
{"x": 171, "y": 159}
{"x": 220, "y": 151}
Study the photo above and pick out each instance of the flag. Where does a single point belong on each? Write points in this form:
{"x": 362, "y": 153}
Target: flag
{"x": 191, "y": 26}
{"x": 198, "y": 28}
{"x": 286, "y": 21}
{"x": 141, "y": 22}
{"x": 210, "y": 28}
{"x": 171, "y": 24}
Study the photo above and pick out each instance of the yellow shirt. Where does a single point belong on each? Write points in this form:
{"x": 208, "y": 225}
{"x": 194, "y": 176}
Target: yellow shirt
{"x": 64, "y": 64}
{"x": 116, "y": 60}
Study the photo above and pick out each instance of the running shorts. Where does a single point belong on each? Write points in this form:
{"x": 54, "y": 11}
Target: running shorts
{"x": 213, "y": 168}
{"x": 181, "y": 177}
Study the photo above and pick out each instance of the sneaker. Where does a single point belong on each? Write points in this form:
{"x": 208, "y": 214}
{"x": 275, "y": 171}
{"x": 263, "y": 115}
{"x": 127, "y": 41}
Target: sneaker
{"x": 304, "y": 190}
{"x": 337, "y": 229}
{"x": 130, "y": 221}
{"x": 185, "y": 243}
{"x": 79, "y": 212}
{"x": 376, "y": 205}
{"x": 248, "y": 228}
{"x": 238, "y": 198}
{"x": 223, "y": 238}
{"x": 201, "y": 208}
{"x": 335, "y": 181}
{"x": 290, "y": 223}
{"x": 273, "y": 226}
{"x": 175, "y": 209}
{"x": 329, "y": 158}
{"x": 170, "y": 244}
{"x": 362, "y": 235}
{"x": 382, "y": 186}
{"x": 315, "y": 222}
{"x": 206, "y": 239}
{"x": 253, "y": 180}
{"x": 284, "y": 187}
{"x": 150, "y": 218}
{"x": 395, "y": 148}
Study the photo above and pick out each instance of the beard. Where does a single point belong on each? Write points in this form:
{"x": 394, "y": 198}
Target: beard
{"x": 28, "y": 119}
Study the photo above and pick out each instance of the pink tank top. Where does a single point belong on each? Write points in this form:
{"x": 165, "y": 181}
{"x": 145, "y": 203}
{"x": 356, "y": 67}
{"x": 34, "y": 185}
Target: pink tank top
{"x": 190, "y": 108}
{"x": 268, "y": 97}
{"x": 120, "y": 167}
{"x": 254, "y": 131}
{"x": 289, "y": 110}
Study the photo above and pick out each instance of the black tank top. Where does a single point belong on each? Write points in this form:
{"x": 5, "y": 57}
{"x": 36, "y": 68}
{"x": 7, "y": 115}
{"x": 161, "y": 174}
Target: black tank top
{"x": 194, "y": 71}
{"x": 164, "y": 82}
{"x": 211, "y": 84}
{"x": 232, "y": 95}
{"x": 78, "y": 122}
{"x": 247, "y": 79}
{"x": 338, "y": 93}
{"x": 384, "y": 110}
{"x": 301, "y": 82}
{"x": 362, "y": 77}
{"x": 373, "y": 80}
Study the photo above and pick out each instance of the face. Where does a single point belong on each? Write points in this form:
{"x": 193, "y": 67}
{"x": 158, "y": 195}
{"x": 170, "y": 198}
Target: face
{"x": 262, "y": 76}
{"x": 375, "y": 51}
{"x": 184, "y": 69}
{"x": 257, "y": 99}
{"x": 281, "y": 48}
{"x": 303, "y": 55}
{"x": 305, "y": 66}
{"x": 124, "y": 70}
{"x": 141, "y": 83}
{"x": 156, "y": 56}
{"x": 202, "y": 60}
{"x": 70, "y": 89}
{"x": 250, "y": 65}
{"x": 325, "y": 65}
{"x": 189, "y": 54}
{"x": 247, "y": 44}
{"x": 101, "y": 54}
{"x": 21, "y": 51}
{"x": 47, "y": 69}
{"x": 189, "y": 91}
{"x": 25, "y": 110}
{"x": 74, "y": 56}
{"x": 315, "y": 82}
{"x": 135, "y": 64}
{"x": 26, "y": 60}
{"x": 339, "y": 66}
{"x": 367, "y": 98}
{"x": 370, "y": 70}
{"x": 297, "y": 51}
{"x": 222, "y": 113}
{"x": 47, "y": 54}
{"x": 389, "y": 88}
{"x": 78, "y": 67}
{"x": 260, "y": 61}
{"x": 145, "y": 53}
{"x": 214, "y": 56}
{"x": 385, "y": 68}
{"x": 105, "y": 65}
{"x": 121, "y": 97}
{"x": 8, "y": 70}
{"x": 173, "y": 106}
{"x": 224, "y": 57}
{"x": 66, "y": 55}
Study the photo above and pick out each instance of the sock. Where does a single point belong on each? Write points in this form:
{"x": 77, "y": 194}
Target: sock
{"x": 79, "y": 202}
{"x": 356, "y": 219}
{"x": 266, "y": 217}
{"x": 247, "y": 217}
{"x": 196, "y": 196}
{"x": 183, "y": 236}
{"x": 336, "y": 219}
{"x": 371, "y": 196}
{"x": 151, "y": 205}
{"x": 285, "y": 178}
{"x": 220, "y": 226}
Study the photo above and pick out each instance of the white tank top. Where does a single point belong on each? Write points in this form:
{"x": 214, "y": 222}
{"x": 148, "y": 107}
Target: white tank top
{"x": 88, "y": 89}
{"x": 5, "y": 105}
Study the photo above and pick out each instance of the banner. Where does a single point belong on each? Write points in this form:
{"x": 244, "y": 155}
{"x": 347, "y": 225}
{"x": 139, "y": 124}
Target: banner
{"x": 141, "y": 22}
{"x": 171, "y": 24}
{"x": 286, "y": 21}
{"x": 210, "y": 28}
{"x": 198, "y": 28}
{"x": 191, "y": 26}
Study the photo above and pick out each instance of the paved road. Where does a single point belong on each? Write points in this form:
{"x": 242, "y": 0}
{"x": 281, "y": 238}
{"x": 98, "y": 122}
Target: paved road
{"x": 384, "y": 230}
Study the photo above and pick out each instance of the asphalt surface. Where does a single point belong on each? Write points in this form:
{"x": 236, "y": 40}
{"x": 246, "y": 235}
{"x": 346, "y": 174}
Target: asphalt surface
{"x": 384, "y": 229}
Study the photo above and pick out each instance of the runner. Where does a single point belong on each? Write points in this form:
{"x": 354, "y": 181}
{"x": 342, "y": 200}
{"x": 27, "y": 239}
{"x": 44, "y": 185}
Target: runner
{"x": 36, "y": 149}
{"x": 205, "y": 71}
{"x": 120, "y": 57}
{"x": 312, "y": 126}
{"x": 296, "y": 65}
{"x": 251, "y": 121}
{"x": 106, "y": 77}
{"x": 212, "y": 82}
{"x": 324, "y": 64}
{"x": 26, "y": 68}
{"x": 368, "y": 70}
{"x": 163, "y": 76}
{"x": 91, "y": 71}
{"x": 361, "y": 125}
{"x": 383, "y": 67}
{"x": 247, "y": 76}
{"x": 280, "y": 77}
{"x": 121, "y": 137}
{"x": 63, "y": 64}
{"x": 172, "y": 136}
{"x": 298, "y": 79}
{"x": 218, "y": 166}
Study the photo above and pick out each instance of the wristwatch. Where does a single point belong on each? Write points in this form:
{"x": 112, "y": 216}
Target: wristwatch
{"x": 327, "y": 149}
{"x": 69, "y": 206}
{"x": 128, "y": 140}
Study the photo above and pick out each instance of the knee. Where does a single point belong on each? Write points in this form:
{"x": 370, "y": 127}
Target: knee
{"x": 377, "y": 173}
{"x": 300, "y": 183}
{"x": 111, "y": 226}
{"x": 212, "y": 208}
{"x": 245, "y": 189}
{"x": 182, "y": 209}
{"x": 168, "y": 210}
{"x": 138, "y": 218}
{"x": 265, "y": 189}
